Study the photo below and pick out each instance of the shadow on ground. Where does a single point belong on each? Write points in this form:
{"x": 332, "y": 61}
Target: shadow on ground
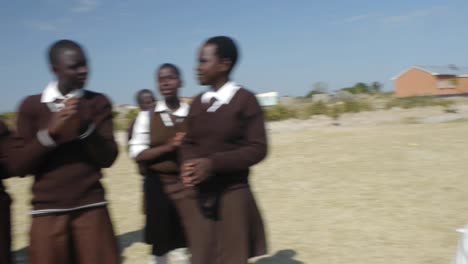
{"x": 285, "y": 256}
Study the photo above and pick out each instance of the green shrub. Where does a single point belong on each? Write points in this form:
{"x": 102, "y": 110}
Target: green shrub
{"x": 356, "y": 106}
{"x": 9, "y": 119}
{"x": 413, "y": 102}
{"x": 279, "y": 112}
{"x": 335, "y": 110}
{"x": 410, "y": 120}
{"x": 121, "y": 124}
{"x": 317, "y": 108}
{"x": 132, "y": 114}
{"x": 450, "y": 111}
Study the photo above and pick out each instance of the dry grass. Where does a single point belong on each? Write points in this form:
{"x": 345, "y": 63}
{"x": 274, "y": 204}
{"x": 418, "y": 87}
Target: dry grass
{"x": 367, "y": 194}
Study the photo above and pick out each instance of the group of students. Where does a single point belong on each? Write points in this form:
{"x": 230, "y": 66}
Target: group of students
{"x": 195, "y": 161}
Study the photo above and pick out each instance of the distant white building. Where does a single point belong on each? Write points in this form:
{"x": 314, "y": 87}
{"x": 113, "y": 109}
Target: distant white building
{"x": 268, "y": 99}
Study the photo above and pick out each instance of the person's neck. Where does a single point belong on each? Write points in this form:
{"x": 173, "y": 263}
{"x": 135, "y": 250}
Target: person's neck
{"x": 64, "y": 90}
{"x": 173, "y": 103}
{"x": 219, "y": 83}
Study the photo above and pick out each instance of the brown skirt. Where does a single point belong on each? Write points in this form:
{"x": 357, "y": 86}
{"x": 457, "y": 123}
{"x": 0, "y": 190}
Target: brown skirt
{"x": 163, "y": 227}
{"x": 5, "y": 229}
{"x": 83, "y": 236}
{"x": 223, "y": 226}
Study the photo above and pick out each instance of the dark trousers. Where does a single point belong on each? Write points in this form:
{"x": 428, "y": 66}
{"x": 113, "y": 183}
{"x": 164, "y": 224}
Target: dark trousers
{"x": 5, "y": 229}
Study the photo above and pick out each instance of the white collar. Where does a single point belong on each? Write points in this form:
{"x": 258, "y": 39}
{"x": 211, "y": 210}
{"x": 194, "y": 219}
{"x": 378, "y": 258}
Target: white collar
{"x": 223, "y": 94}
{"x": 52, "y": 93}
{"x": 182, "y": 111}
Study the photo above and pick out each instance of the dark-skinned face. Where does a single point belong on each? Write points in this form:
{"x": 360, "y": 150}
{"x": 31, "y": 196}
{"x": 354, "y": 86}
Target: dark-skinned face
{"x": 147, "y": 102}
{"x": 168, "y": 82}
{"x": 210, "y": 67}
{"x": 71, "y": 69}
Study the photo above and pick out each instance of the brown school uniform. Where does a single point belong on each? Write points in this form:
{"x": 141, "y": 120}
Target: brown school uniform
{"x": 70, "y": 221}
{"x": 163, "y": 186}
{"x": 221, "y": 218}
{"x": 141, "y": 167}
{"x": 5, "y": 200}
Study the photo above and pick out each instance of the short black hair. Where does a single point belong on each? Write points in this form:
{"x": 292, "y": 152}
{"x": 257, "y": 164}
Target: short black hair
{"x": 57, "y": 48}
{"x": 170, "y": 66}
{"x": 226, "y": 48}
{"x": 141, "y": 92}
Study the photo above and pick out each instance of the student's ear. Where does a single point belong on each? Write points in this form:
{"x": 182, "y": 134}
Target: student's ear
{"x": 53, "y": 68}
{"x": 225, "y": 65}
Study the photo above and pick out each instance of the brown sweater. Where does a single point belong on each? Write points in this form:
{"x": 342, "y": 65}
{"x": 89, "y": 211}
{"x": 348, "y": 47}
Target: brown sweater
{"x": 160, "y": 135}
{"x": 5, "y": 168}
{"x": 68, "y": 175}
{"x": 233, "y": 137}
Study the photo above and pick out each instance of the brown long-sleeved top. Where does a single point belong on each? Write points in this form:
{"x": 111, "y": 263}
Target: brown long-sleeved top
{"x": 5, "y": 154}
{"x": 233, "y": 137}
{"x": 67, "y": 176}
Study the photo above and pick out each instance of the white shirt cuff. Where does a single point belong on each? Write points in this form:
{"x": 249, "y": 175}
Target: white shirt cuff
{"x": 45, "y": 139}
{"x": 134, "y": 150}
{"x": 88, "y": 131}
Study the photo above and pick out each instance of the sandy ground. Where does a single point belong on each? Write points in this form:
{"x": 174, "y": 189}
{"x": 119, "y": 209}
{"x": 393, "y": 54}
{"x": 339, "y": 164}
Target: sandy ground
{"x": 382, "y": 187}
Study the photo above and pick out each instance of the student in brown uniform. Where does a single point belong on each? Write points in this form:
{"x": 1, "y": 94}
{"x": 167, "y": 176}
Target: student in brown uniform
{"x": 155, "y": 143}
{"x": 146, "y": 102}
{"x": 12, "y": 153}
{"x": 70, "y": 134}
{"x": 5, "y": 200}
{"x": 226, "y": 136}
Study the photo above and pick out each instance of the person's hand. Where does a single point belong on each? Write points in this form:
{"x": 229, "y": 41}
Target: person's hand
{"x": 196, "y": 171}
{"x": 65, "y": 120}
{"x": 187, "y": 170}
{"x": 84, "y": 118}
{"x": 176, "y": 141}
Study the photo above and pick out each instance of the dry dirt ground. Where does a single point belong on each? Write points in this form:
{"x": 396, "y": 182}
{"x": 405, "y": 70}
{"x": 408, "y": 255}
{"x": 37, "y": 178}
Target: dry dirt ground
{"x": 382, "y": 191}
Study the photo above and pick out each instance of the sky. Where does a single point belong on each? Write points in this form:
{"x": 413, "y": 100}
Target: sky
{"x": 285, "y": 46}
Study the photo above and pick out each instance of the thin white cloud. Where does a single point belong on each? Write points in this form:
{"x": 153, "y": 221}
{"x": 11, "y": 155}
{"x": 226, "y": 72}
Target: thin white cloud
{"x": 85, "y": 6}
{"x": 395, "y": 19}
{"x": 41, "y": 25}
{"x": 355, "y": 19}
{"x": 360, "y": 18}
{"x": 392, "y": 19}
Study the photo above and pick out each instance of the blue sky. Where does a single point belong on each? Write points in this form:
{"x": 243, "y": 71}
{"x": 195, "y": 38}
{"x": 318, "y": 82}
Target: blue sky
{"x": 286, "y": 46}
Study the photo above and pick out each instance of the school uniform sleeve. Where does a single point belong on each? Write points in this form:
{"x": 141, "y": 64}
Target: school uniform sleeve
{"x": 4, "y": 131}
{"x": 253, "y": 150}
{"x": 187, "y": 150}
{"x": 4, "y": 162}
{"x": 25, "y": 150}
{"x": 129, "y": 133}
{"x": 9, "y": 145}
{"x": 140, "y": 138}
{"x": 99, "y": 139}
{"x": 130, "y": 130}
